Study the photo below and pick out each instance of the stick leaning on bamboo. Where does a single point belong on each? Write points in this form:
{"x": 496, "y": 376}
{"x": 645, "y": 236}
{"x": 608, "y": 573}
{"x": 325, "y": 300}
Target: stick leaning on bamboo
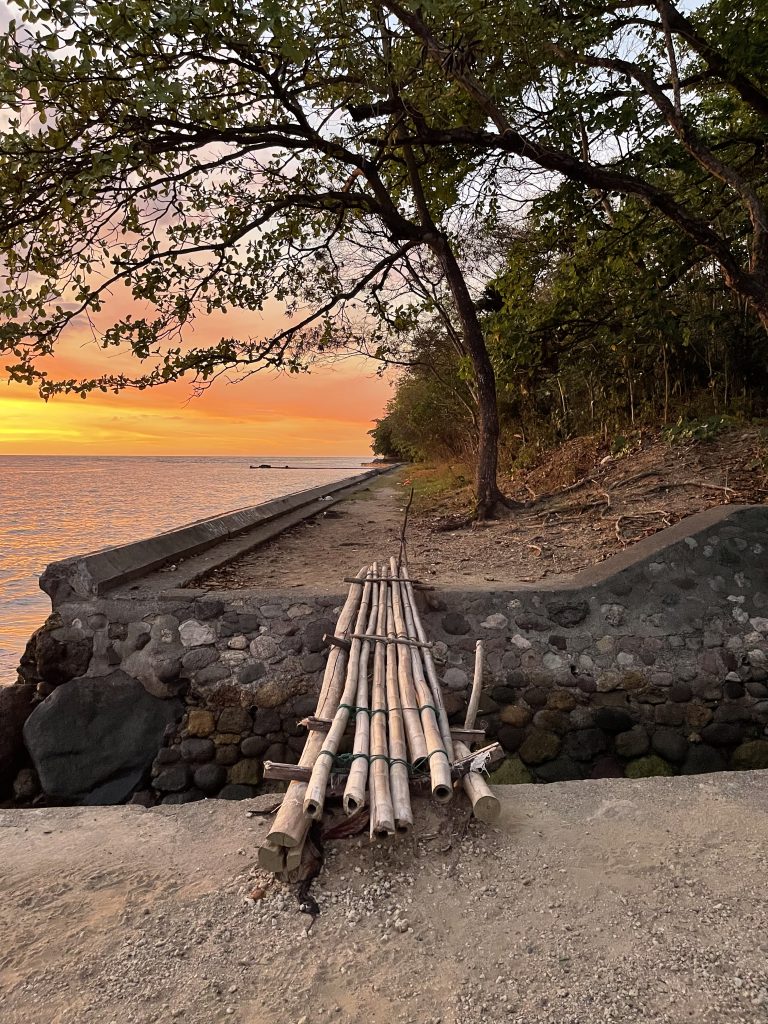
{"x": 485, "y": 806}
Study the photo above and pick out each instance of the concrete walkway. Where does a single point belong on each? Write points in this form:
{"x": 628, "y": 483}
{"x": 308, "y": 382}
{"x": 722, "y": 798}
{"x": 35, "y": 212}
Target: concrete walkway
{"x": 598, "y": 901}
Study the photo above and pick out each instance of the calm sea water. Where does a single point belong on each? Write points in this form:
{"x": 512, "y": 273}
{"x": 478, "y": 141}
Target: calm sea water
{"x": 55, "y": 506}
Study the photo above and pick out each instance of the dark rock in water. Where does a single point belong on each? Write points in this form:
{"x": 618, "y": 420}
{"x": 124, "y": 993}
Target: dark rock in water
{"x": 15, "y": 708}
{"x": 701, "y": 759}
{"x": 92, "y": 730}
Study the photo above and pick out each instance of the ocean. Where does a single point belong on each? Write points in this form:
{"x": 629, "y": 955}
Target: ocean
{"x": 55, "y": 506}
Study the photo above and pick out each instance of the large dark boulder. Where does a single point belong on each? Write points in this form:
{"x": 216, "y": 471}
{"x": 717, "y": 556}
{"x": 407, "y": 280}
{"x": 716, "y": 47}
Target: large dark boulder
{"x": 91, "y": 731}
{"x": 15, "y": 708}
{"x": 62, "y": 654}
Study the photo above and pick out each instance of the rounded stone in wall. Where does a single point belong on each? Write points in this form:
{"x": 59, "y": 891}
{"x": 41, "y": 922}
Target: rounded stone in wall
{"x": 200, "y": 722}
{"x": 254, "y": 746}
{"x": 198, "y": 750}
{"x": 561, "y": 700}
{"x": 236, "y": 791}
{"x": 172, "y": 779}
{"x": 607, "y": 768}
{"x": 246, "y": 772}
{"x": 210, "y": 777}
{"x": 266, "y": 720}
{"x": 750, "y": 755}
{"x": 721, "y": 734}
{"x": 582, "y": 718}
{"x": 199, "y": 657}
{"x": 456, "y": 679}
{"x": 510, "y": 737}
{"x": 189, "y": 796}
{"x": 539, "y": 746}
{"x": 669, "y": 744}
{"x": 234, "y": 719}
{"x": 455, "y": 624}
{"x": 669, "y": 714}
{"x": 613, "y": 720}
{"x": 514, "y": 714}
{"x": 680, "y": 692}
{"x": 227, "y": 754}
{"x": 556, "y": 721}
{"x": 701, "y": 759}
{"x": 536, "y": 697}
{"x": 633, "y": 743}
{"x": 561, "y": 769}
{"x": 585, "y": 744}
{"x": 698, "y": 715}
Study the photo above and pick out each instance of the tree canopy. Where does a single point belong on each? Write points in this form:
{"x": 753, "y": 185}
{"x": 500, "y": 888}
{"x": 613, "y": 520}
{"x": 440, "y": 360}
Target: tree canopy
{"x": 206, "y": 157}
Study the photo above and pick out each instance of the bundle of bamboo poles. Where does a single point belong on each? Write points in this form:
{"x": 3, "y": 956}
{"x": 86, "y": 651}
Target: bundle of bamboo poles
{"x": 381, "y": 678}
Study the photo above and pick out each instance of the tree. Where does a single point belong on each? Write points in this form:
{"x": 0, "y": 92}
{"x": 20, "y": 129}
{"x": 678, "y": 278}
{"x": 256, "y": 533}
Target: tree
{"x": 205, "y": 158}
{"x": 631, "y": 99}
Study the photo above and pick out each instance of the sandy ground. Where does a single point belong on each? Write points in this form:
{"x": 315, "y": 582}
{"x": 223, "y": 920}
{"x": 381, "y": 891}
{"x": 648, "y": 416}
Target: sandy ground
{"x": 598, "y": 901}
{"x": 582, "y": 507}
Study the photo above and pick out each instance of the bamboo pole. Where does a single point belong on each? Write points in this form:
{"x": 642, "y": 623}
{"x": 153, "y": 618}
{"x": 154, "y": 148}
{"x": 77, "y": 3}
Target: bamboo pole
{"x": 398, "y": 751}
{"x": 438, "y": 763}
{"x": 477, "y": 687}
{"x": 409, "y": 701}
{"x": 382, "y": 812}
{"x": 354, "y": 792}
{"x": 314, "y": 799}
{"x": 429, "y": 665}
{"x": 485, "y": 806}
{"x": 291, "y": 824}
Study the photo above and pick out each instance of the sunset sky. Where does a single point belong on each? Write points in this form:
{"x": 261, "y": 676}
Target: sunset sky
{"x": 326, "y": 412}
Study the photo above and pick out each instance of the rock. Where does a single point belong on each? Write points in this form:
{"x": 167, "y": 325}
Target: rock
{"x": 749, "y": 755}
{"x": 495, "y": 621}
{"x": 62, "y": 654}
{"x": 234, "y": 719}
{"x": 510, "y": 737}
{"x": 157, "y": 666}
{"x": 698, "y": 715}
{"x": 197, "y": 634}
{"x": 245, "y": 772}
{"x": 314, "y": 632}
{"x": 265, "y": 720}
{"x": 15, "y": 708}
{"x": 582, "y": 718}
{"x": 733, "y": 690}
{"x": 198, "y": 750}
{"x": 254, "y": 746}
{"x": 313, "y": 662}
{"x": 26, "y": 785}
{"x": 568, "y": 613}
{"x": 114, "y": 791}
{"x": 552, "y": 662}
{"x": 265, "y": 648}
{"x": 455, "y": 624}
{"x": 722, "y": 734}
{"x": 613, "y": 720}
{"x": 554, "y": 721}
{"x": 585, "y": 744}
{"x": 228, "y": 753}
{"x": 198, "y": 658}
{"x": 91, "y": 730}
{"x": 236, "y": 792}
{"x": 562, "y": 769}
{"x": 536, "y": 697}
{"x": 607, "y": 768}
{"x": 207, "y": 608}
{"x": 189, "y": 796}
{"x": 539, "y": 746}
{"x": 209, "y": 778}
{"x": 633, "y": 743}
{"x": 278, "y": 691}
{"x": 213, "y": 673}
{"x": 200, "y": 722}
{"x": 648, "y": 768}
{"x": 503, "y": 694}
{"x": 680, "y": 692}
{"x": 238, "y": 643}
{"x": 454, "y": 703}
{"x": 561, "y": 700}
{"x": 669, "y": 744}
{"x": 511, "y": 772}
{"x": 669, "y": 714}
{"x": 251, "y": 672}
{"x": 515, "y": 715}
{"x": 701, "y": 759}
{"x": 172, "y": 779}
{"x": 168, "y": 755}
{"x": 456, "y": 679}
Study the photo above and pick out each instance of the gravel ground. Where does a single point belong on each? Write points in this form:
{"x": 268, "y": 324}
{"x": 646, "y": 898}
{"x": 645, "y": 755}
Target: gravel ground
{"x": 612, "y": 900}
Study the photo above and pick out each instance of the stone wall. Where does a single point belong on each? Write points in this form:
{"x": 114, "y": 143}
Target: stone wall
{"x": 654, "y": 662}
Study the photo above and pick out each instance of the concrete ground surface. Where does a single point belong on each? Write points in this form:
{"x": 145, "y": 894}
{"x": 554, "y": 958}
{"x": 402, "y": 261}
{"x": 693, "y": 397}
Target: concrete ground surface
{"x": 611, "y": 900}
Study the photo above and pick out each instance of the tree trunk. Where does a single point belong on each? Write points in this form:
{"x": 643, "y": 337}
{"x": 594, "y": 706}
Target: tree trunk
{"x": 487, "y": 494}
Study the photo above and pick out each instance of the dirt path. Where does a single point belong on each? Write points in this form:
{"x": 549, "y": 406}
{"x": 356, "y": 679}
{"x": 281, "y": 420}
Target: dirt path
{"x": 599, "y": 901}
{"x": 583, "y": 507}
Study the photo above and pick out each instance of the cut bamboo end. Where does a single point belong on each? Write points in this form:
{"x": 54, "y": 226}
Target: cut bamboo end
{"x": 485, "y": 806}
{"x": 272, "y": 857}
